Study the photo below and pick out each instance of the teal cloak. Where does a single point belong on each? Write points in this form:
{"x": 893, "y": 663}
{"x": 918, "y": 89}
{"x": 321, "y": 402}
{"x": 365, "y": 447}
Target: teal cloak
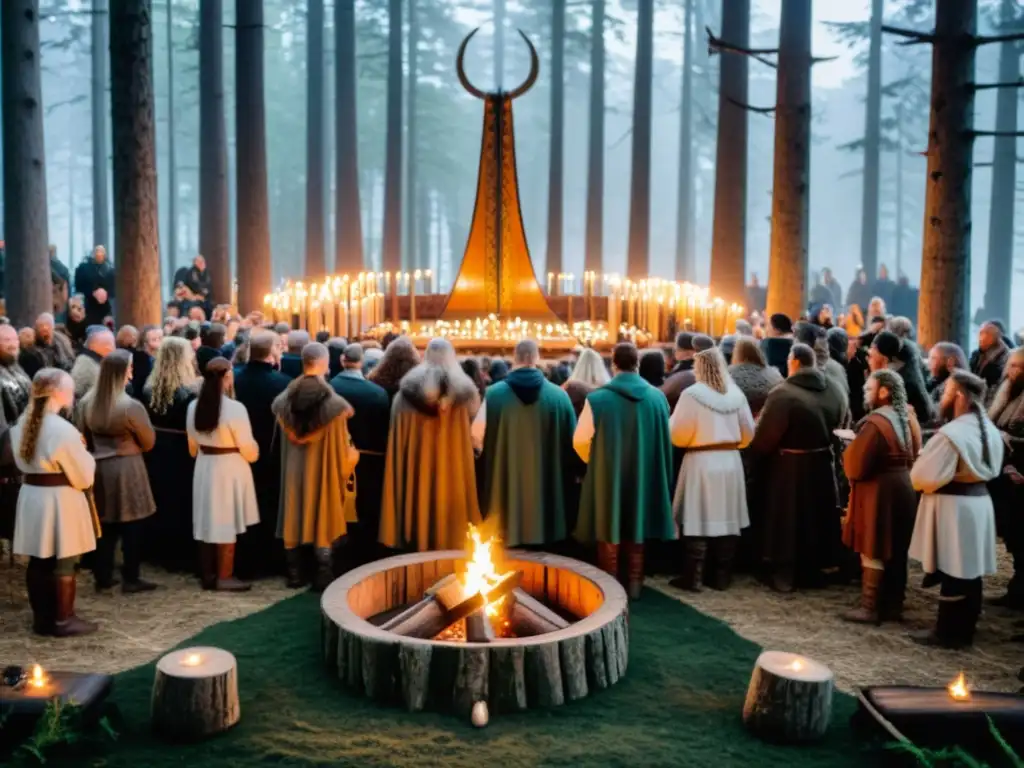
{"x": 528, "y": 457}
{"x": 626, "y": 493}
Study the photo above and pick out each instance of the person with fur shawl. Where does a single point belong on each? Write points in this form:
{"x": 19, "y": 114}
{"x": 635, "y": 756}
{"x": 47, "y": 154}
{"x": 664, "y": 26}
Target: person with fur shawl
{"x": 318, "y": 463}
{"x": 752, "y": 374}
{"x": 430, "y": 493}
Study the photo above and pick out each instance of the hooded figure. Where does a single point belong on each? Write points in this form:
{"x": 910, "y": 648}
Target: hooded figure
{"x": 623, "y": 435}
{"x": 525, "y": 428}
{"x": 430, "y": 493}
{"x": 318, "y": 462}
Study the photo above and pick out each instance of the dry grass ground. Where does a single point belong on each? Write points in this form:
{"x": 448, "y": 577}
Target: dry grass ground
{"x": 139, "y": 628}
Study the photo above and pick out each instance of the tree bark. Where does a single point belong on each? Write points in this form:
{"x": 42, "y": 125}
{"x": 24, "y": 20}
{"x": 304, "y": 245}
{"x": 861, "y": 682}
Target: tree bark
{"x": 315, "y": 262}
{"x": 999, "y": 273}
{"x": 787, "y": 268}
{"x": 412, "y": 257}
{"x": 348, "y": 243}
{"x": 685, "y": 266}
{"x": 98, "y": 89}
{"x": 172, "y": 159}
{"x": 729, "y": 227}
{"x": 192, "y": 703}
{"x": 136, "y": 217}
{"x": 788, "y": 704}
{"x": 872, "y": 147}
{"x": 391, "y": 242}
{"x": 556, "y": 164}
{"x": 27, "y": 239}
{"x": 254, "y": 263}
{"x": 946, "y": 258}
{"x": 594, "y": 246}
{"x": 213, "y": 150}
{"x": 638, "y": 258}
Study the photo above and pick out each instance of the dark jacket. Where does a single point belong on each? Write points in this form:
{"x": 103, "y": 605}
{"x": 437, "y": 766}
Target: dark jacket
{"x": 291, "y": 365}
{"x": 142, "y": 366}
{"x": 859, "y": 294}
{"x": 204, "y": 355}
{"x": 89, "y": 276}
{"x": 989, "y": 366}
{"x": 776, "y": 352}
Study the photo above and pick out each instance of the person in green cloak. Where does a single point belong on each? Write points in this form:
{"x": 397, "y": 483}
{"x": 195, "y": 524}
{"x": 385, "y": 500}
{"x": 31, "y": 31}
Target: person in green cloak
{"x": 525, "y": 428}
{"x": 623, "y": 435}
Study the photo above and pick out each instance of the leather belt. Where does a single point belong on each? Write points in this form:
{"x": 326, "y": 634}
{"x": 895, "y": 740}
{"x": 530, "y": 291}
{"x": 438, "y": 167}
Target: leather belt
{"x": 963, "y": 489}
{"x": 712, "y": 447}
{"x": 803, "y": 451}
{"x": 215, "y": 450}
{"x": 47, "y": 480}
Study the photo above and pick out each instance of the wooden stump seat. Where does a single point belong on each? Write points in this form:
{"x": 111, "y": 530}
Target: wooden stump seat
{"x": 195, "y": 694}
{"x": 789, "y": 699}
{"x": 510, "y": 674}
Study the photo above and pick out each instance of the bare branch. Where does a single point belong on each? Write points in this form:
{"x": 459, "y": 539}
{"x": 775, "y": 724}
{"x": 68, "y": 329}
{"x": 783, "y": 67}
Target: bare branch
{"x": 1019, "y": 83}
{"x": 915, "y": 37}
{"x": 822, "y": 59}
{"x": 758, "y": 110}
{"x": 989, "y": 39}
{"x": 976, "y": 134}
{"x": 717, "y": 45}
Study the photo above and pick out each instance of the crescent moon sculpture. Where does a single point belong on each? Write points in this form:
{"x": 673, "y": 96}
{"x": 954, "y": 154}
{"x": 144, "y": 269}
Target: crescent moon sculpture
{"x": 531, "y": 78}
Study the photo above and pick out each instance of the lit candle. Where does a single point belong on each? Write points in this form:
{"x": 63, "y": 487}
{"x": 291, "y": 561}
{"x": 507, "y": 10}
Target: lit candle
{"x": 958, "y": 689}
{"x": 38, "y": 679}
{"x": 192, "y": 660}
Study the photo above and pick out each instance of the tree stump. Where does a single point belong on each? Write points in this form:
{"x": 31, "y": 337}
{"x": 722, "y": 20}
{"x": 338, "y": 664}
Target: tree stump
{"x": 195, "y": 694}
{"x": 789, "y": 699}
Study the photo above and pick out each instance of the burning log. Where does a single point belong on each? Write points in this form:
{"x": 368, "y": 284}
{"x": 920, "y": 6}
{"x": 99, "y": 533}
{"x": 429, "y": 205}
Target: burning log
{"x": 479, "y": 628}
{"x": 531, "y": 617}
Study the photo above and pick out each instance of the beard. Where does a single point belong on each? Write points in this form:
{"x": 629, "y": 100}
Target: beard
{"x": 7, "y": 359}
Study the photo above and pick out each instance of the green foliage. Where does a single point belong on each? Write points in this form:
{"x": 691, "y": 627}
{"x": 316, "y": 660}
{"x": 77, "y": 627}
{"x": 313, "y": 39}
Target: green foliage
{"x": 955, "y": 756}
{"x": 62, "y": 727}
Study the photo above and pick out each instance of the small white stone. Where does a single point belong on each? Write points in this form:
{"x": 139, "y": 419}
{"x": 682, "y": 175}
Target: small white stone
{"x": 480, "y": 714}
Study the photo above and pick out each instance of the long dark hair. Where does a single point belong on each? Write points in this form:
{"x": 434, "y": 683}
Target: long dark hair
{"x": 98, "y": 404}
{"x": 208, "y": 404}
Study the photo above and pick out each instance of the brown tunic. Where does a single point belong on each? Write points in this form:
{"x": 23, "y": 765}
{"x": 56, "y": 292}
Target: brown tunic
{"x": 883, "y": 503}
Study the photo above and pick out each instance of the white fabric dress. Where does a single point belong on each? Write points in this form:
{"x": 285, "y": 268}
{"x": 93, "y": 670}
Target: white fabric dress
{"x": 711, "y": 494}
{"x": 54, "y": 521}
{"x": 223, "y": 494}
{"x": 956, "y": 534}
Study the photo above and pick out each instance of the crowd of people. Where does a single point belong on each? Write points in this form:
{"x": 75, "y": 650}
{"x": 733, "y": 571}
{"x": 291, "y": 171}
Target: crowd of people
{"x": 238, "y": 449}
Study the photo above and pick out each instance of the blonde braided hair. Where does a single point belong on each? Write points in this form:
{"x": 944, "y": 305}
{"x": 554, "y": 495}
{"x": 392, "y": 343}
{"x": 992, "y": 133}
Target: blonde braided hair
{"x": 709, "y": 369}
{"x": 44, "y": 384}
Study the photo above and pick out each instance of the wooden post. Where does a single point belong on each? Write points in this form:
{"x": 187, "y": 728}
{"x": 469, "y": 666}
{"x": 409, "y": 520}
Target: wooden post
{"x": 789, "y": 699}
{"x": 195, "y": 694}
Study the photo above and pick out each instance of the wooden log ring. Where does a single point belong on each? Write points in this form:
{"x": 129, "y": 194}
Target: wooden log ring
{"x": 789, "y": 699}
{"x": 510, "y": 674}
{"x": 195, "y": 694}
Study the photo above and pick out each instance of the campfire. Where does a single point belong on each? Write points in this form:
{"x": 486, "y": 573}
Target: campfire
{"x": 477, "y": 604}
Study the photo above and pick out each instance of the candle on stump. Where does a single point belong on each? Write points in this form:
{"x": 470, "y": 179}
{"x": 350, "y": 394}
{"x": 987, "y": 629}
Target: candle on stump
{"x": 789, "y": 698}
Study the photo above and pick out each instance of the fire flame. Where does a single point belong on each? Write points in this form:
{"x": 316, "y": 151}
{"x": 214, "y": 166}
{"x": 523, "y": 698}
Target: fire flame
{"x": 481, "y": 574}
{"x": 38, "y": 678}
{"x": 958, "y": 688}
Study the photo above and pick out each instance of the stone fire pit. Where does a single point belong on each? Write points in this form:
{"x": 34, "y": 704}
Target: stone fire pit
{"x": 509, "y": 673}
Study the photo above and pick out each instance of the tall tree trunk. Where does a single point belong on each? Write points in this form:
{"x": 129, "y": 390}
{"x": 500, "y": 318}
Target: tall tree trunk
{"x": 348, "y": 242}
{"x": 255, "y": 273}
{"x": 556, "y": 165}
{"x": 872, "y": 147}
{"x": 98, "y": 90}
{"x": 787, "y": 268}
{"x": 391, "y": 242}
{"x": 27, "y": 240}
{"x": 638, "y": 265}
{"x": 594, "y": 246}
{"x": 136, "y": 217}
{"x": 213, "y": 151}
{"x": 999, "y": 273}
{"x": 172, "y": 158}
{"x": 412, "y": 258}
{"x": 499, "y": 43}
{"x": 946, "y": 258}
{"x": 685, "y": 267}
{"x": 71, "y": 208}
{"x": 423, "y": 227}
{"x": 729, "y": 226}
{"x": 315, "y": 264}
{"x": 900, "y": 149}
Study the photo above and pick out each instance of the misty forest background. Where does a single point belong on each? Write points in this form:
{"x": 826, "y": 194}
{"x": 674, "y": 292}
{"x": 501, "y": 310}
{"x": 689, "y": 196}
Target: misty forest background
{"x": 441, "y": 130}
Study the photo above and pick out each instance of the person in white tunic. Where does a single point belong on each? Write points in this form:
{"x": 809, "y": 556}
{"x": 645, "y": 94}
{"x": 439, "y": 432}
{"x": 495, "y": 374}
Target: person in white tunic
{"x": 955, "y": 530}
{"x": 711, "y": 422}
{"x": 223, "y": 493}
{"x": 54, "y": 523}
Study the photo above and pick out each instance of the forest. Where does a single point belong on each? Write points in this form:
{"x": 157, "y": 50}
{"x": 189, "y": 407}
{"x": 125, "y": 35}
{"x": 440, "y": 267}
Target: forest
{"x": 286, "y": 138}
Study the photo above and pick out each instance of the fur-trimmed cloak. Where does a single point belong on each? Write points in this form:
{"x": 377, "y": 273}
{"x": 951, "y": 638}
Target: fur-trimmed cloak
{"x": 317, "y": 464}
{"x": 430, "y": 493}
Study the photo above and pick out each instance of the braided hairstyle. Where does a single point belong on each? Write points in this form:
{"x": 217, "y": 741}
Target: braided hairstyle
{"x": 973, "y": 388}
{"x": 709, "y": 369}
{"x": 45, "y": 383}
{"x": 897, "y": 399}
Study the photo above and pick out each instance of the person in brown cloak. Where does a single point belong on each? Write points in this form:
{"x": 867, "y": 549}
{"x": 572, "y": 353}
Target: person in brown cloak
{"x": 318, "y": 460}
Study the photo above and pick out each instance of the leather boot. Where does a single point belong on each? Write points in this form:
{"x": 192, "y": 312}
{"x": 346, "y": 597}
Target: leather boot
{"x": 634, "y": 569}
{"x": 226, "y": 582}
{"x": 293, "y": 569}
{"x": 208, "y": 565}
{"x": 67, "y": 624}
{"x": 725, "y": 556}
{"x": 892, "y": 595}
{"x": 324, "y": 570}
{"x": 42, "y": 595}
{"x": 695, "y": 551}
{"x": 608, "y": 558}
{"x": 867, "y": 613}
{"x": 948, "y": 632}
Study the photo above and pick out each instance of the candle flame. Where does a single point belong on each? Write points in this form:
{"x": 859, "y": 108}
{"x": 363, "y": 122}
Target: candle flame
{"x": 797, "y": 665}
{"x": 38, "y": 678}
{"x": 192, "y": 660}
{"x": 958, "y": 688}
